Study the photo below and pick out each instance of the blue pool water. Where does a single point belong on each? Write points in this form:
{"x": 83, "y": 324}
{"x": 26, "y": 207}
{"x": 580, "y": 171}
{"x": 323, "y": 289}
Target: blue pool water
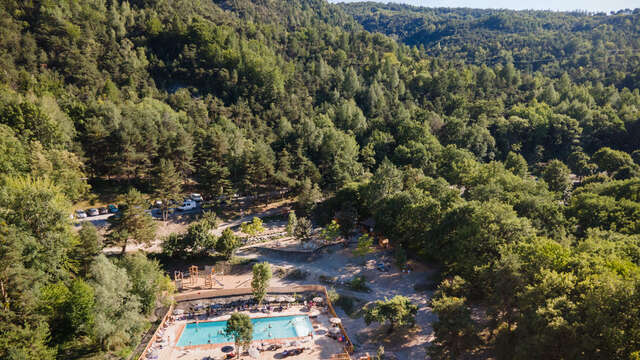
{"x": 281, "y": 327}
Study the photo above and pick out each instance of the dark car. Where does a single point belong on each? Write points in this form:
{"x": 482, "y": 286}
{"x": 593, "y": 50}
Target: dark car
{"x": 103, "y": 210}
{"x": 112, "y": 208}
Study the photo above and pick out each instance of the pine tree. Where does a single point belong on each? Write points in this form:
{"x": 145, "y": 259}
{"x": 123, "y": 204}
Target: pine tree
{"x": 132, "y": 224}
{"x": 167, "y": 185}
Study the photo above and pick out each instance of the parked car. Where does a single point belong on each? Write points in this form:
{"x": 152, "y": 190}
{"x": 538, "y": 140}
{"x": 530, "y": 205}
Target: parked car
{"x": 80, "y": 214}
{"x": 157, "y": 204}
{"x": 187, "y": 205}
{"x": 93, "y": 212}
{"x": 103, "y": 210}
{"x": 196, "y": 197}
{"x": 112, "y": 208}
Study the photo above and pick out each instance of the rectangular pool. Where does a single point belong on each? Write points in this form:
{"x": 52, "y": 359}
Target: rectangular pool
{"x": 212, "y": 332}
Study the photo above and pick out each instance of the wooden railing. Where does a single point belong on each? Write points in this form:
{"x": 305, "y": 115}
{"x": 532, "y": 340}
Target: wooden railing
{"x": 348, "y": 344}
{"x": 155, "y": 333}
{"x": 341, "y": 356}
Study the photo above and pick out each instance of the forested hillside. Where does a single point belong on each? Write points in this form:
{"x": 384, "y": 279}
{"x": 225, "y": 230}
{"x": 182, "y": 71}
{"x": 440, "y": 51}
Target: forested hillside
{"x": 588, "y": 46}
{"x": 523, "y": 186}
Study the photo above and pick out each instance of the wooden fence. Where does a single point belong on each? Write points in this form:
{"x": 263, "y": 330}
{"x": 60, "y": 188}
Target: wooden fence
{"x": 155, "y": 333}
{"x": 348, "y": 344}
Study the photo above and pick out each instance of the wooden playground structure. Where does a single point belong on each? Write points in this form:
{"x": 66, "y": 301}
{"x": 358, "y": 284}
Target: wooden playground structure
{"x": 209, "y": 278}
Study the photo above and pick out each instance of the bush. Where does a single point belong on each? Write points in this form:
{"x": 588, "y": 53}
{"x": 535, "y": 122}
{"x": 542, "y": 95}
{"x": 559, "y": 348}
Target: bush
{"x": 333, "y": 295}
{"x": 296, "y": 274}
{"x": 252, "y": 228}
{"x": 227, "y": 243}
{"x": 346, "y": 303}
{"x": 359, "y": 283}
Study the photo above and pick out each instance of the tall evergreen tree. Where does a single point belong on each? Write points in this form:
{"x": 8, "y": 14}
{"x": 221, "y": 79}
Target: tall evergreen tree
{"x": 132, "y": 223}
{"x": 167, "y": 184}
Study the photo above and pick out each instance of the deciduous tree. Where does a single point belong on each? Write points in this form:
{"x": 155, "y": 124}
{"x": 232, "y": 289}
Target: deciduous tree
{"x": 556, "y": 175}
{"x": 240, "y": 327}
{"x": 227, "y": 243}
{"x": 398, "y": 311}
{"x": 260, "y": 280}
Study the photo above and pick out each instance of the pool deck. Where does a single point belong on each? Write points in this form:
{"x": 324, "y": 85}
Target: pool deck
{"x": 320, "y": 347}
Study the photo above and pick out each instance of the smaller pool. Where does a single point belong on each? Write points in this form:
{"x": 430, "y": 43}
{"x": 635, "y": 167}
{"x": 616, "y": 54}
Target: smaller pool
{"x": 212, "y": 332}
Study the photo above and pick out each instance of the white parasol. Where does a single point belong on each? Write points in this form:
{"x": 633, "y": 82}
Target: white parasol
{"x": 281, "y": 299}
{"x": 290, "y": 299}
{"x": 317, "y": 299}
{"x": 334, "y": 330}
{"x": 270, "y": 299}
{"x": 335, "y": 320}
{"x": 178, "y": 312}
{"x": 254, "y": 353}
{"x": 314, "y": 313}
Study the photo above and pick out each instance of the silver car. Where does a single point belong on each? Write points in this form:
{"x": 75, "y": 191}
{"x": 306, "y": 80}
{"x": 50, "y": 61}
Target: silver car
{"x": 93, "y": 212}
{"x": 80, "y": 214}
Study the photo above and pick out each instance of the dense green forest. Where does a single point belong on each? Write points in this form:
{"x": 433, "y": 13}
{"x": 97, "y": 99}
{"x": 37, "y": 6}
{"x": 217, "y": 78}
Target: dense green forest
{"x": 589, "y": 47}
{"x": 521, "y": 181}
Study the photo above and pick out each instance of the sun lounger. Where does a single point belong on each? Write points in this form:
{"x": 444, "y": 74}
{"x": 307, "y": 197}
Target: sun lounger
{"x": 292, "y": 352}
{"x": 274, "y": 347}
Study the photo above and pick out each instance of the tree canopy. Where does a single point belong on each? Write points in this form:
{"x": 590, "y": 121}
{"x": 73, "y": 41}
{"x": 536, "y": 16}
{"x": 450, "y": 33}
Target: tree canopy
{"x": 458, "y": 131}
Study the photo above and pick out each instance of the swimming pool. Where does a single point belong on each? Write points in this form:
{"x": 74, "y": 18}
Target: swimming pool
{"x": 212, "y": 332}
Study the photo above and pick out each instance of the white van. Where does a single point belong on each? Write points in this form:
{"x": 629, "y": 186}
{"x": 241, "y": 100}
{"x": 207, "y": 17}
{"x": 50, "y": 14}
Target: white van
{"x": 187, "y": 205}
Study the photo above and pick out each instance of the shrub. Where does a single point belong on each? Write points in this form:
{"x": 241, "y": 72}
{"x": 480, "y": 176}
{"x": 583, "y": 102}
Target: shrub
{"x": 297, "y": 274}
{"x": 359, "y": 283}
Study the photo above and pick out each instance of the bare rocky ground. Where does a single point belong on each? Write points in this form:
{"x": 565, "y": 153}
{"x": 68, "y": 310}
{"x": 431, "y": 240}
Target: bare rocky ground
{"x": 406, "y": 344}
